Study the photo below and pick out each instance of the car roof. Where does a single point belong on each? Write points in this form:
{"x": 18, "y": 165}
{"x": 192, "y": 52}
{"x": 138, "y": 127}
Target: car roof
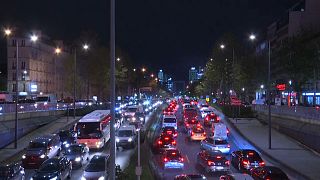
{"x": 214, "y": 152}
{"x": 169, "y": 116}
{"x": 127, "y": 127}
{"x": 55, "y": 160}
{"x": 101, "y": 156}
{"x": 45, "y": 138}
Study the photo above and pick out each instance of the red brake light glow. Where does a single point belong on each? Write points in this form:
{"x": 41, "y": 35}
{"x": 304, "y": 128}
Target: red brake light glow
{"x": 250, "y": 153}
{"x": 174, "y": 142}
{"x": 262, "y": 163}
{"x": 159, "y": 142}
{"x": 174, "y": 153}
{"x": 210, "y": 163}
{"x": 228, "y": 146}
{"x": 166, "y": 138}
{"x": 227, "y": 163}
{"x": 245, "y": 162}
{"x": 181, "y": 159}
{"x": 218, "y": 157}
{"x": 165, "y": 159}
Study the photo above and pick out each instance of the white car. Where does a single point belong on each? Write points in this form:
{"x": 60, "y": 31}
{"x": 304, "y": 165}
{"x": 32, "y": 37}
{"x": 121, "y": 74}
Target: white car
{"x": 169, "y": 121}
{"x": 97, "y": 168}
{"x": 126, "y": 136}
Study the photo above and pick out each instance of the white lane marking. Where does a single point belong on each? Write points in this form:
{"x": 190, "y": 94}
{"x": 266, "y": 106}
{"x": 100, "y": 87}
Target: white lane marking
{"x": 187, "y": 159}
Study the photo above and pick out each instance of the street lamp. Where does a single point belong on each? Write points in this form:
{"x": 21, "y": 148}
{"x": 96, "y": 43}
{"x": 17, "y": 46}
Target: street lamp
{"x": 261, "y": 86}
{"x": 85, "y": 46}
{"x": 118, "y": 59}
{"x": 222, "y": 46}
{"x": 252, "y": 37}
{"x": 152, "y": 75}
{"x": 34, "y": 38}
{"x": 243, "y": 89}
{"x": 143, "y": 69}
{"x": 134, "y": 69}
{"x": 57, "y": 50}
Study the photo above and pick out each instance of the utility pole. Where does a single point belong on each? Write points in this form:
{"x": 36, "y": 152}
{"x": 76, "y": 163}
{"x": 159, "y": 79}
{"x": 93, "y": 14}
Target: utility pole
{"x": 17, "y": 97}
{"x": 112, "y": 98}
{"x": 269, "y": 94}
{"x": 74, "y": 83}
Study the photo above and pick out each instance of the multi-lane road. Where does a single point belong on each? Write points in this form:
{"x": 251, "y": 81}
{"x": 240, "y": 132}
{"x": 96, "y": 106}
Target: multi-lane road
{"x": 190, "y": 150}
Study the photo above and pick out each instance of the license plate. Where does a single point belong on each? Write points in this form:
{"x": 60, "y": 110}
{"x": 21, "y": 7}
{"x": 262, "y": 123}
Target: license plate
{"x": 219, "y": 164}
{"x": 219, "y": 167}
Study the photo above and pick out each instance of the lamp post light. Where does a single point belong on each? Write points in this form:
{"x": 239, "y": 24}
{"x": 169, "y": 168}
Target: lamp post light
{"x": 134, "y": 69}
{"x": 118, "y": 59}
{"x": 252, "y": 37}
{"x": 143, "y": 70}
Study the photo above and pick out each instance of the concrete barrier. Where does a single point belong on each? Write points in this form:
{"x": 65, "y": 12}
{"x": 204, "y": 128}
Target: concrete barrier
{"x": 28, "y": 115}
{"x": 303, "y": 131}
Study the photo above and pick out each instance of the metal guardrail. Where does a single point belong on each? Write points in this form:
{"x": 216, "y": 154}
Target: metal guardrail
{"x": 35, "y": 107}
{"x": 295, "y": 111}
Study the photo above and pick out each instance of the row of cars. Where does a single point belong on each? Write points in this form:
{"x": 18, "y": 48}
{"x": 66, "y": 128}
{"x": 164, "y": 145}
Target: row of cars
{"x": 214, "y": 147}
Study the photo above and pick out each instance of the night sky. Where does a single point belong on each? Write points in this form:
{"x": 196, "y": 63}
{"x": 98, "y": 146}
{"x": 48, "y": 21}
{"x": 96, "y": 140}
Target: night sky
{"x": 169, "y": 34}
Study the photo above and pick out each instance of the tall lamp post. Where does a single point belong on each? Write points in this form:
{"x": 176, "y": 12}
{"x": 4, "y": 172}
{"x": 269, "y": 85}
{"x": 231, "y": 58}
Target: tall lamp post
{"x": 252, "y": 37}
{"x": 33, "y": 38}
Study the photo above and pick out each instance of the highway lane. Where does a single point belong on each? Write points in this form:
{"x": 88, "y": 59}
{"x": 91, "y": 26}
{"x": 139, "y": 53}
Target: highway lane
{"x": 190, "y": 149}
{"x": 122, "y": 158}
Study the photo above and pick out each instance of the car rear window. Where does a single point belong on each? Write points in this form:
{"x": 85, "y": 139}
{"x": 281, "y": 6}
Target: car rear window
{"x": 198, "y": 130}
{"x": 170, "y": 120}
{"x": 220, "y": 142}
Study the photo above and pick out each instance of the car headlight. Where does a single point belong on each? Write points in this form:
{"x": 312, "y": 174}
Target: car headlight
{"x": 67, "y": 145}
{"x": 78, "y": 159}
{"x": 133, "y": 119}
{"x": 101, "y": 178}
{"x": 42, "y": 156}
{"x": 24, "y": 156}
{"x": 130, "y": 139}
{"x": 54, "y": 178}
{"x": 31, "y": 178}
{"x": 98, "y": 143}
{"x": 141, "y": 119}
{"x": 118, "y": 140}
{"x": 65, "y": 142}
{"x": 83, "y": 178}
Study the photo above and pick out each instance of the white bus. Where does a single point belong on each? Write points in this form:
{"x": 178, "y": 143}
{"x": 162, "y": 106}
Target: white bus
{"x": 94, "y": 129}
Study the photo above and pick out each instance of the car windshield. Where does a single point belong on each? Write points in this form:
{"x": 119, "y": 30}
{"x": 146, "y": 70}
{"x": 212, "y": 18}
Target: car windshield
{"x": 95, "y": 167}
{"x": 74, "y": 150}
{"x": 124, "y": 133}
{"x": 220, "y": 142}
{"x": 88, "y": 130}
{"x": 35, "y": 145}
{"x": 42, "y": 99}
{"x": 49, "y": 167}
{"x": 170, "y": 120}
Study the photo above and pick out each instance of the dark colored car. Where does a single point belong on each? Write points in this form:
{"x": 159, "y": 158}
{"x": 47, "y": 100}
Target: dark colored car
{"x": 188, "y": 124}
{"x": 78, "y": 154}
{"x": 190, "y": 113}
{"x": 190, "y": 177}
{"x": 12, "y": 171}
{"x": 246, "y": 159}
{"x": 213, "y": 161}
{"x": 172, "y": 158}
{"x": 268, "y": 173}
{"x": 211, "y": 118}
{"x": 66, "y": 138}
{"x": 54, "y": 168}
{"x": 41, "y": 149}
{"x": 169, "y": 131}
{"x": 163, "y": 143}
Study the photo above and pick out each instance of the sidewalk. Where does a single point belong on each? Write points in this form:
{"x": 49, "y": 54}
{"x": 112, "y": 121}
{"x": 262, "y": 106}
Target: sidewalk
{"x": 9, "y": 154}
{"x": 285, "y": 150}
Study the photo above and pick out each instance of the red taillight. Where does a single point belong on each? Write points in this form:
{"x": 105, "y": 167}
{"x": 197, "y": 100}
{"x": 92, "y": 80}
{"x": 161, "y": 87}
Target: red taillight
{"x": 218, "y": 157}
{"x": 173, "y": 153}
{"x": 174, "y": 142}
{"x": 175, "y": 135}
{"x": 245, "y": 162}
{"x": 165, "y": 159}
{"x": 207, "y": 118}
{"x": 262, "y": 163}
{"x": 166, "y": 138}
{"x": 228, "y": 131}
{"x": 210, "y": 163}
{"x": 159, "y": 142}
{"x": 187, "y": 125}
{"x": 228, "y": 146}
{"x": 204, "y": 133}
{"x": 192, "y": 120}
{"x": 227, "y": 163}
{"x": 192, "y": 133}
{"x": 169, "y": 132}
{"x": 250, "y": 153}
{"x": 218, "y": 118}
{"x": 181, "y": 159}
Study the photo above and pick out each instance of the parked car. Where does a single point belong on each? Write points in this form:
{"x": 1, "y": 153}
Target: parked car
{"x": 213, "y": 161}
{"x": 97, "y": 168}
{"x": 78, "y": 154}
{"x": 246, "y": 159}
{"x": 54, "y": 168}
{"x": 40, "y": 149}
{"x": 13, "y": 171}
{"x": 268, "y": 172}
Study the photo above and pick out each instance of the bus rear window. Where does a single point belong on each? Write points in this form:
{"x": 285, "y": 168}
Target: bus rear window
{"x": 170, "y": 120}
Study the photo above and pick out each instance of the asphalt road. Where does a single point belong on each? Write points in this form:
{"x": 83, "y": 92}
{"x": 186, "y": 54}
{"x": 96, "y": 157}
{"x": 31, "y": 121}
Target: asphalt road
{"x": 122, "y": 158}
{"x": 190, "y": 149}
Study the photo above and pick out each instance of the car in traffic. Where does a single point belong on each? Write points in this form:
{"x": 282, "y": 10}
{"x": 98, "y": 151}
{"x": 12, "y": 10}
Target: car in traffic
{"x": 220, "y": 130}
{"x": 205, "y": 111}
{"x": 12, "y": 171}
{"x": 97, "y": 168}
{"x": 66, "y": 138}
{"x": 236, "y": 176}
{"x": 268, "y": 172}
{"x": 168, "y": 131}
{"x": 213, "y": 161}
{"x": 211, "y": 119}
{"x": 172, "y": 158}
{"x": 188, "y": 124}
{"x": 40, "y": 149}
{"x": 78, "y": 154}
{"x": 190, "y": 113}
{"x": 197, "y": 133}
{"x": 213, "y": 143}
{"x": 169, "y": 120}
{"x": 190, "y": 177}
{"x": 246, "y": 159}
{"x": 58, "y": 168}
{"x": 163, "y": 143}
{"x": 126, "y": 136}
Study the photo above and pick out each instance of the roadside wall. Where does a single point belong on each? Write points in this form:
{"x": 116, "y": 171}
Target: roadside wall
{"x": 303, "y": 131}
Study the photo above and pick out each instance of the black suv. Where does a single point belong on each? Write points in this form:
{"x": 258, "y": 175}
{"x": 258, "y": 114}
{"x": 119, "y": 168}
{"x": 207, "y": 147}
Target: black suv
{"x": 40, "y": 149}
{"x": 12, "y": 171}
